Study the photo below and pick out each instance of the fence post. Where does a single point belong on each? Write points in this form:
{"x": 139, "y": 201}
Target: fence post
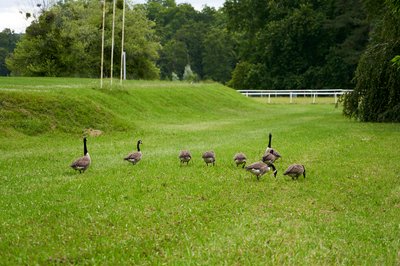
{"x": 290, "y": 97}
{"x": 314, "y": 98}
{"x": 335, "y": 98}
{"x": 269, "y": 98}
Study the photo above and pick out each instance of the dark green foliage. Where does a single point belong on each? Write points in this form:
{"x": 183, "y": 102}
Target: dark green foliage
{"x": 219, "y": 57}
{"x": 299, "y": 44}
{"x": 190, "y": 37}
{"x": 240, "y": 76}
{"x": 8, "y": 41}
{"x": 377, "y": 93}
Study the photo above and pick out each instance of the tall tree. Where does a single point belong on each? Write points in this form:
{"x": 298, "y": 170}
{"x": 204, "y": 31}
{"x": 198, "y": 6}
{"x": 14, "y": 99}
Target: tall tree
{"x": 8, "y": 42}
{"x": 219, "y": 57}
{"x": 65, "y": 41}
{"x": 376, "y": 96}
{"x": 190, "y": 37}
{"x": 296, "y": 44}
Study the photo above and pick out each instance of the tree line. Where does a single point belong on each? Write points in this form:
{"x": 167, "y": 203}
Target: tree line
{"x": 246, "y": 44}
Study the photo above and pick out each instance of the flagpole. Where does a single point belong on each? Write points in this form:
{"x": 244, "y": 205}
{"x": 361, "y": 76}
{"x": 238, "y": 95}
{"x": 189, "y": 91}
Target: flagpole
{"x": 102, "y": 45}
{"x": 122, "y": 43}
{"x": 112, "y": 43}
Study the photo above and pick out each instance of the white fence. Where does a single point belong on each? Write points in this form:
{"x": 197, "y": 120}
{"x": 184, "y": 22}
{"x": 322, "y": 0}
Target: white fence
{"x": 294, "y": 93}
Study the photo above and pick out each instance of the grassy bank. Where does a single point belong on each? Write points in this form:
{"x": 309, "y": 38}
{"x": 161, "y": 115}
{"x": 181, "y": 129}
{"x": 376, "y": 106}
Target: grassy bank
{"x": 345, "y": 212}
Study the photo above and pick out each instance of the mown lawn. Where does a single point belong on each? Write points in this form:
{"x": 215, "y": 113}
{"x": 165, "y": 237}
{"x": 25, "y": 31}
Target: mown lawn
{"x": 346, "y": 211}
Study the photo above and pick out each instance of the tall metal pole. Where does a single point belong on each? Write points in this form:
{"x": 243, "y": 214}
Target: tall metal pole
{"x": 112, "y": 42}
{"x": 102, "y": 45}
{"x": 124, "y": 55}
{"x": 122, "y": 45}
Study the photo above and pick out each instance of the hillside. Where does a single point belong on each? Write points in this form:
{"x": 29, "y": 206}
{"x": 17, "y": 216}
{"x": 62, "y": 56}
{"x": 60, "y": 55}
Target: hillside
{"x": 72, "y": 105}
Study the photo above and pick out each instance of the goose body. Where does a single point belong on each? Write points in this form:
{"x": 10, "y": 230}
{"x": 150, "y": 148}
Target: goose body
{"x": 209, "y": 157}
{"x": 259, "y": 168}
{"x": 295, "y": 170}
{"x": 269, "y": 157}
{"x": 135, "y": 157}
{"x": 82, "y": 163}
{"x": 240, "y": 159}
{"x": 185, "y": 156}
{"x": 270, "y": 150}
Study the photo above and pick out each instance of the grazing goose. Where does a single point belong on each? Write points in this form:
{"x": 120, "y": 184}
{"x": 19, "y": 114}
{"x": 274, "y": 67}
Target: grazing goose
{"x": 240, "y": 159}
{"x": 82, "y": 163}
{"x": 185, "y": 157}
{"x": 295, "y": 170}
{"x": 271, "y": 150}
{"x": 260, "y": 168}
{"x": 136, "y": 156}
{"x": 209, "y": 157}
{"x": 269, "y": 157}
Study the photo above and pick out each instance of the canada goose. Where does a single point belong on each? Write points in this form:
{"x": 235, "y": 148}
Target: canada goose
{"x": 260, "y": 168}
{"x": 135, "y": 157}
{"x": 271, "y": 150}
{"x": 185, "y": 157}
{"x": 209, "y": 157}
{"x": 240, "y": 159}
{"x": 82, "y": 163}
{"x": 269, "y": 157}
{"x": 295, "y": 170}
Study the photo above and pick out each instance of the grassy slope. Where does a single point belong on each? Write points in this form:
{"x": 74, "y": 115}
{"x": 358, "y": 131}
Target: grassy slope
{"x": 346, "y": 211}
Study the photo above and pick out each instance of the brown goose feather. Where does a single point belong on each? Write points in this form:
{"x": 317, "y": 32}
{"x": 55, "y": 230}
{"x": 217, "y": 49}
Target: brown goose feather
{"x": 295, "y": 170}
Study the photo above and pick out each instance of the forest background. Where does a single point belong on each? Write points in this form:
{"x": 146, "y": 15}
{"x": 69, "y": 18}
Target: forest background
{"x": 247, "y": 44}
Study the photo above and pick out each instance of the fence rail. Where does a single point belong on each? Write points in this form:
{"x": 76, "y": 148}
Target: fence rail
{"x": 294, "y": 93}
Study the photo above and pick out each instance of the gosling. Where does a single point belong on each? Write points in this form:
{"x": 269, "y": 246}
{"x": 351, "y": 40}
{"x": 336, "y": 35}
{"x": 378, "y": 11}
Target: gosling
{"x": 295, "y": 170}
{"x": 209, "y": 157}
{"x": 185, "y": 157}
{"x": 240, "y": 159}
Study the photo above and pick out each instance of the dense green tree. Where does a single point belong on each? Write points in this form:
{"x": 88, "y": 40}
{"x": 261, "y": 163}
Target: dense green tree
{"x": 376, "y": 96}
{"x": 175, "y": 26}
{"x": 297, "y": 44}
{"x": 219, "y": 48}
{"x": 190, "y": 37}
{"x": 241, "y": 76}
{"x": 66, "y": 41}
{"x": 219, "y": 57}
{"x": 173, "y": 58}
{"x": 8, "y": 41}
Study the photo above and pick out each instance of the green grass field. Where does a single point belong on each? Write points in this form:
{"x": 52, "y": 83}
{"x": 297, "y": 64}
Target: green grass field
{"x": 346, "y": 211}
{"x": 296, "y": 100}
